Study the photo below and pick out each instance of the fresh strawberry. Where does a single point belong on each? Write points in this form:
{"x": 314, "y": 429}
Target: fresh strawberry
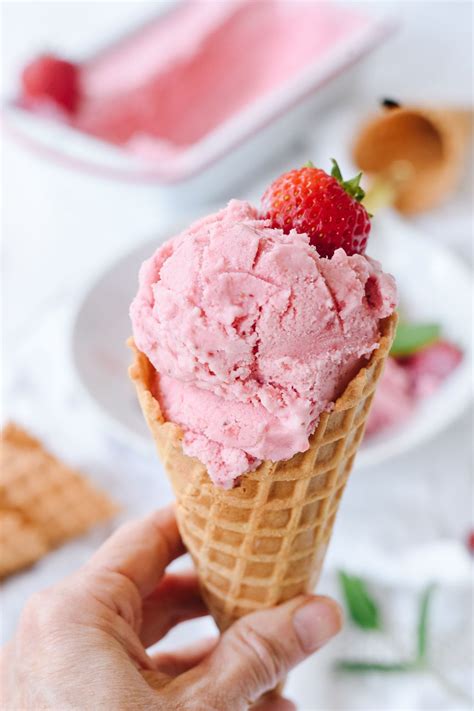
{"x": 470, "y": 542}
{"x": 48, "y": 77}
{"x": 326, "y": 207}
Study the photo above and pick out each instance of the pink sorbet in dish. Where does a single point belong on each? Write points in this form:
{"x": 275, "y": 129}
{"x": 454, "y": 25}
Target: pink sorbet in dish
{"x": 186, "y": 74}
{"x": 428, "y": 368}
{"x": 408, "y": 380}
{"x": 253, "y": 335}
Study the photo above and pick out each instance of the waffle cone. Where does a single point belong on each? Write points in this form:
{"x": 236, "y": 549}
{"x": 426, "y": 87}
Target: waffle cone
{"x": 432, "y": 142}
{"x": 43, "y": 502}
{"x": 264, "y": 541}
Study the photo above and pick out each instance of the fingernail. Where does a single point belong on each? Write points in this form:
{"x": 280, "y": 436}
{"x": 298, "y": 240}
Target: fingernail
{"x": 315, "y": 622}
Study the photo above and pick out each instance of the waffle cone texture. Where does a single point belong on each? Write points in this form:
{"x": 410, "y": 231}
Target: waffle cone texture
{"x": 43, "y": 502}
{"x": 264, "y": 541}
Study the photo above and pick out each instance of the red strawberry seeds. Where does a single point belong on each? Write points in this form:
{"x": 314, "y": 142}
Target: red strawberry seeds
{"x": 48, "y": 77}
{"x": 325, "y": 207}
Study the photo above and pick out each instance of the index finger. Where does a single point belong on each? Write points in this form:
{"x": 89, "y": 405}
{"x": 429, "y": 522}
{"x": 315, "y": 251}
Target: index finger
{"x": 141, "y": 550}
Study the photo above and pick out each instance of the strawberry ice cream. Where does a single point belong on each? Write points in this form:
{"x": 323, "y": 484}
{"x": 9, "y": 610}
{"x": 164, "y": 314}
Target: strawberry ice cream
{"x": 181, "y": 77}
{"x": 430, "y": 366}
{"x": 253, "y": 335}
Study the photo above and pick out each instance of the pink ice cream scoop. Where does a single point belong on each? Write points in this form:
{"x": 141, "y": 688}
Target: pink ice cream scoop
{"x": 253, "y": 335}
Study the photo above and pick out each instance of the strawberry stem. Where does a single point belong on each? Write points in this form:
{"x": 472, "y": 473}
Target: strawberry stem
{"x": 352, "y": 186}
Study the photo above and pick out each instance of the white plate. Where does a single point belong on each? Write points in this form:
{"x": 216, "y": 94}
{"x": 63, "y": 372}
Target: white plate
{"x": 434, "y": 284}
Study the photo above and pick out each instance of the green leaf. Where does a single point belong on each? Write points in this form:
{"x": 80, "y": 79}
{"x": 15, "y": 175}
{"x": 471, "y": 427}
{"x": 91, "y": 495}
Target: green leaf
{"x": 412, "y": 337}
{"x": 354, "y": 666}
{"x": 336, "y": 171}
{"x": 422, "y": 629}
{"x": 352, "y": 186}
{"x": 362, "y": 607}
{"x": 309, "y": 164}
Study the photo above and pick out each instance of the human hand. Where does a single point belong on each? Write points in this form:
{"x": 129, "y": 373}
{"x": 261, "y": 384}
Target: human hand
{"x": 82, "y": 643}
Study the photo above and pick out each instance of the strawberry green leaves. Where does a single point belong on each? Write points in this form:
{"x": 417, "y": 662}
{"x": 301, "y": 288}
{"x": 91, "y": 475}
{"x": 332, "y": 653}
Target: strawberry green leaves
{"x": 352, "y": 666}
{"x": 412, "y": 337}
{"x": 364, "y": 613}
{"x": 362, "y": 607}
{"x": 352, "y": 186}
{"x": 422, "y": 628}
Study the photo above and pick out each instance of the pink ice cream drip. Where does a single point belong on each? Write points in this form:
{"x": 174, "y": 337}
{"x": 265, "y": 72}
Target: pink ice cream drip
{"x": 253, "y": 335}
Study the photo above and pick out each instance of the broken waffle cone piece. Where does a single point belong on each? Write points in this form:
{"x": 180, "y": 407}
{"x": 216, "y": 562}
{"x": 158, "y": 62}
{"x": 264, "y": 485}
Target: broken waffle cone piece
{"x": 42, "y": 501}
{"x": 264, "y": 541}
{"x": 416, "y": 155}
{"x": 20, "y": 543}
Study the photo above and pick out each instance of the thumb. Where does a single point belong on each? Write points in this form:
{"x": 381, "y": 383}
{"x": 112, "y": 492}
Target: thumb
{"x": 274, "y": 702}
{"x": 259, "y": 650}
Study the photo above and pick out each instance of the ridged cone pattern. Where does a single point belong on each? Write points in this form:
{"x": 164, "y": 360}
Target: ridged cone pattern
{"x": 264, "y": 541}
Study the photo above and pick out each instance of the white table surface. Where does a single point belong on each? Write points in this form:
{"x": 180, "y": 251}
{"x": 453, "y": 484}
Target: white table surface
{"x": 406, "y": 523}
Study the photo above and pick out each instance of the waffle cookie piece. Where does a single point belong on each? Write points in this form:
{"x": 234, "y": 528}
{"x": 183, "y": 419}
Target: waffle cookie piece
{"x": 42, "y": 501}
{"x": 20, "y": 543}
{"x": 264, "y": 541}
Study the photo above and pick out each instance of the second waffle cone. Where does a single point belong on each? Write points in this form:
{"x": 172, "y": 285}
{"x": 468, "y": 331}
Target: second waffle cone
{"x": 430, "y": 142}
{"x": 264, "y": 541}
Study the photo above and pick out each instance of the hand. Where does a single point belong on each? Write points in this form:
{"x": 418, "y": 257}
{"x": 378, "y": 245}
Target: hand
{"x": 82, "y": 643}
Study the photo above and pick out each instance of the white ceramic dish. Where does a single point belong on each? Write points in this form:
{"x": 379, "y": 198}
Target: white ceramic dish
{"x": 439, "y": 290}
{"x": 237, "y": 147}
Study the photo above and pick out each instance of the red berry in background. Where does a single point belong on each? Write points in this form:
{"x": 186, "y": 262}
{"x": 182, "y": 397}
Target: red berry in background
{"x": 470, "y": 542}
{"x": 326, "y": 207}
{"x": 48, "y": 77}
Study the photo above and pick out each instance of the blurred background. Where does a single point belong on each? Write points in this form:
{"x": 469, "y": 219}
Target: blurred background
{"x": 121, "y": 122}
